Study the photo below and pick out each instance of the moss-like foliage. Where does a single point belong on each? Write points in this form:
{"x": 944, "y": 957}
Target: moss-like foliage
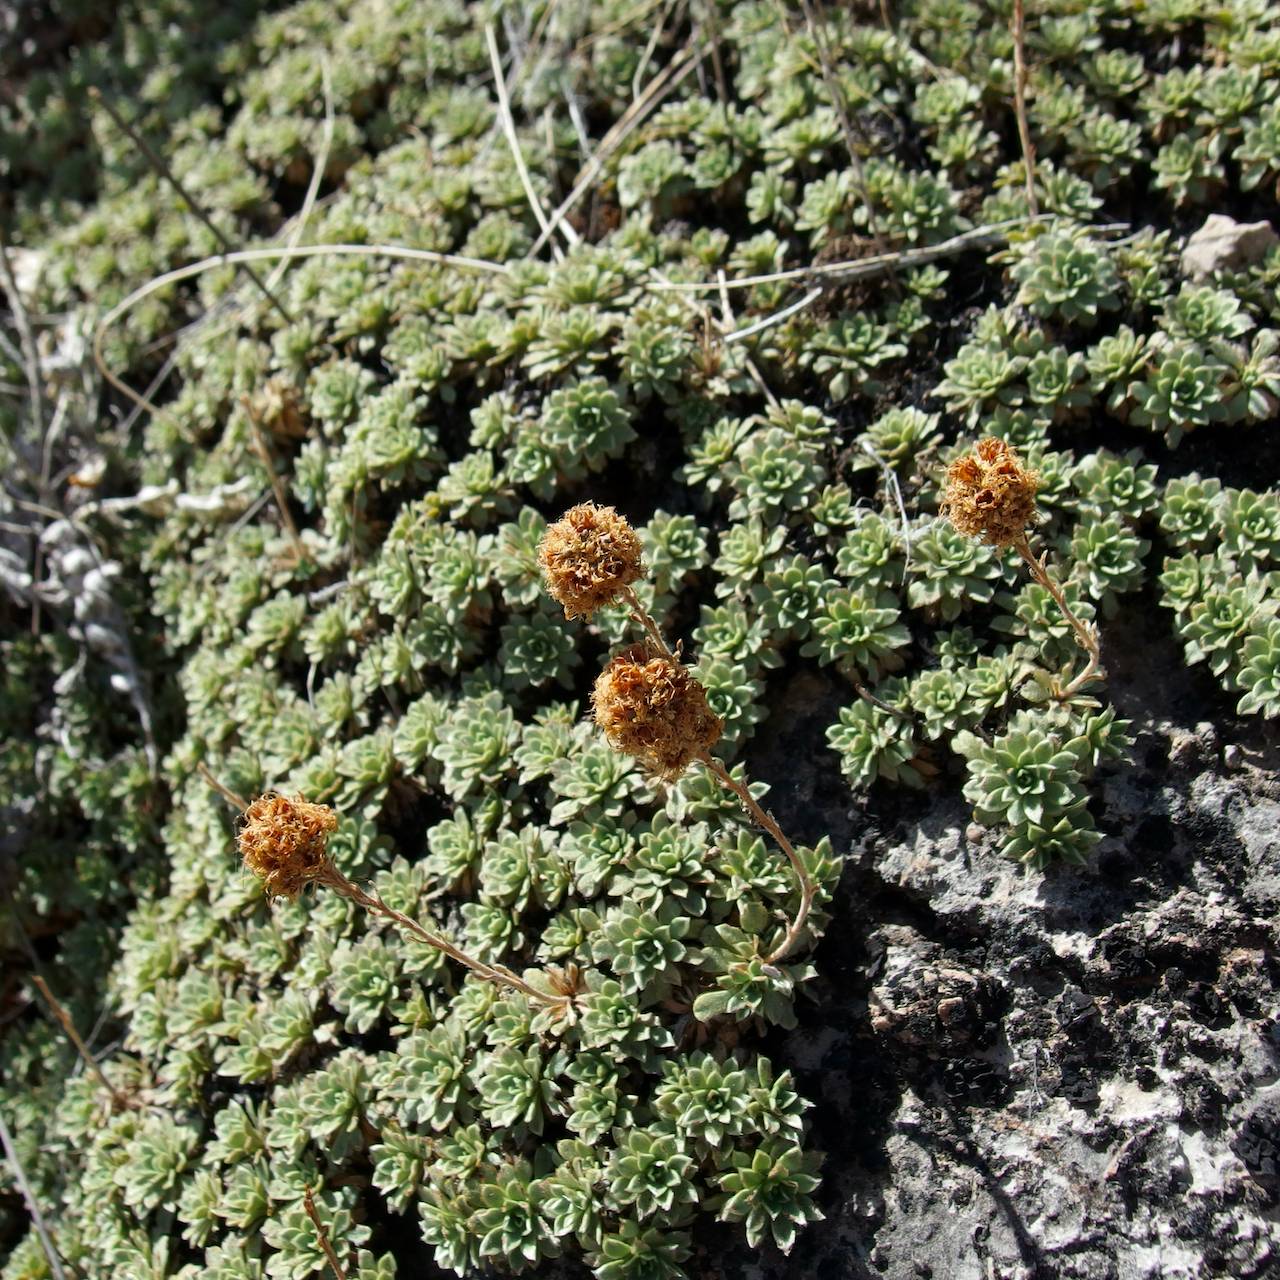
{"x": 383, "y": 645}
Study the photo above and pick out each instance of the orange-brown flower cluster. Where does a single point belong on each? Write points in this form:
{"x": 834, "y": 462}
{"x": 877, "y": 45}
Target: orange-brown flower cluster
{"x": 990, "y": 494}
{"x": 283, "y": 842}
{"x": 587, "y": 557}
{"x": 652, "y": 708}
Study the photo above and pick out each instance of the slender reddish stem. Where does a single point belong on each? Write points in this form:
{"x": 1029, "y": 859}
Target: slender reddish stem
{"x": 766, "y": 820}
{"x": 1086, "y": 635}
{"x": 498, "y": 974}
{"x": 722, "y": 775}
{"x": 310, "y": 1206}
{"x": 59, "y": 1012}
{"x": 263, "y": 450}
{"x": 642, "y": 616}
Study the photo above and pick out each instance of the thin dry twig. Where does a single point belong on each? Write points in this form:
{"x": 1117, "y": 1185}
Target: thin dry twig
{"x": 310, "y": 1206}
{"x": 317, "y": 174}
{"x": 162, "y": 169}
{"x": 64, "y": 1018}
{"x": 46, "y": 467}
{"x": 859, "y": 268}
{"x": 767, "y": 391}
{"x": 250, "y": 513}
{"x": 704, "y": 314}
{"x": 324, "y": 594}
{"x": 144, "y": 403}
{"x": 979, "y": 237}
{"x": 854, "y": 139}
{"x": 30, "y": 361}
{"x": 263, "y": 450}
{"x": 268, "y": 254}
{"x": 657, "y": 89}
{"x": 530, "y": 52}
{"x": 1020, "y": 103}
{"x": 37, "y": 508}
{"x": 730, "y": 320}
{"x": 666, "y": 80}
{"x": 535, "y": 37}
{"x": 28, "y": 1197}
{"x": 767, "y": 322}
{"x": 513, "y": 144}
{"x": 891, "y": 482}
{"x": 867, "y": 696}
{"x": 650, "y": 45}
{"x": 612, "y": 28}
{"x": 578, "y": 121}
{"x": 51, "y": 438}
{"x": 297, "y": 227}
{"x": 709, "y": 31}
{"x": 731, "y": 323}
{"x": 13, "y": 355}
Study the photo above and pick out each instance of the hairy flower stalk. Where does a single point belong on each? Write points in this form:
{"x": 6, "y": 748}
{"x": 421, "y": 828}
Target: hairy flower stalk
{"x": 284, "y": 843}
{"x": 991, "y": 496}
{"x": 766, "y": 820}
{"x": 647, "y": 702}
{"x": 1086, "y": 634}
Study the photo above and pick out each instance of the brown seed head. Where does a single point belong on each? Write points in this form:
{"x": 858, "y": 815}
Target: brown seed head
{"x": 990, "y": 494}
{"x": 651, "y": 707}
{"x": 587, "y": 557}
{"x": 283, "y": 841}
{"x": 278, "y": 407}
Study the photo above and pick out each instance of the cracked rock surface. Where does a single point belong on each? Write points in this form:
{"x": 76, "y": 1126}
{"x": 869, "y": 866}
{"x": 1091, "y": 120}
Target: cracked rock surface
{"x": 1074, "y": 1074}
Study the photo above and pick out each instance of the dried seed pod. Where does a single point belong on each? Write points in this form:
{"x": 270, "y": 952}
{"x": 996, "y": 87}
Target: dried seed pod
{"x": 990, "y": 495}
{"x": 651, "y": 707}
{"x": 588, "y": 556}
{"x": 283, "y": 842}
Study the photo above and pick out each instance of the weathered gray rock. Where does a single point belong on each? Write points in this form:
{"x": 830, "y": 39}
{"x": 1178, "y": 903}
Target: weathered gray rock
{"x": 1223, "y": 242}
{"x": 1072, "y": 1075}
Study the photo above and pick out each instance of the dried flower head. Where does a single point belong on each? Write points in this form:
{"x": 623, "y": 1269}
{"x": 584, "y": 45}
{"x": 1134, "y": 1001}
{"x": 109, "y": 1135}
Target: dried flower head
{"x": 283, "y": 842}
{"x": 587, "y": 557}
{"x": 990, "y": 494}
{"x": 650, "y": 707}
{"x": 277, "y": 406}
